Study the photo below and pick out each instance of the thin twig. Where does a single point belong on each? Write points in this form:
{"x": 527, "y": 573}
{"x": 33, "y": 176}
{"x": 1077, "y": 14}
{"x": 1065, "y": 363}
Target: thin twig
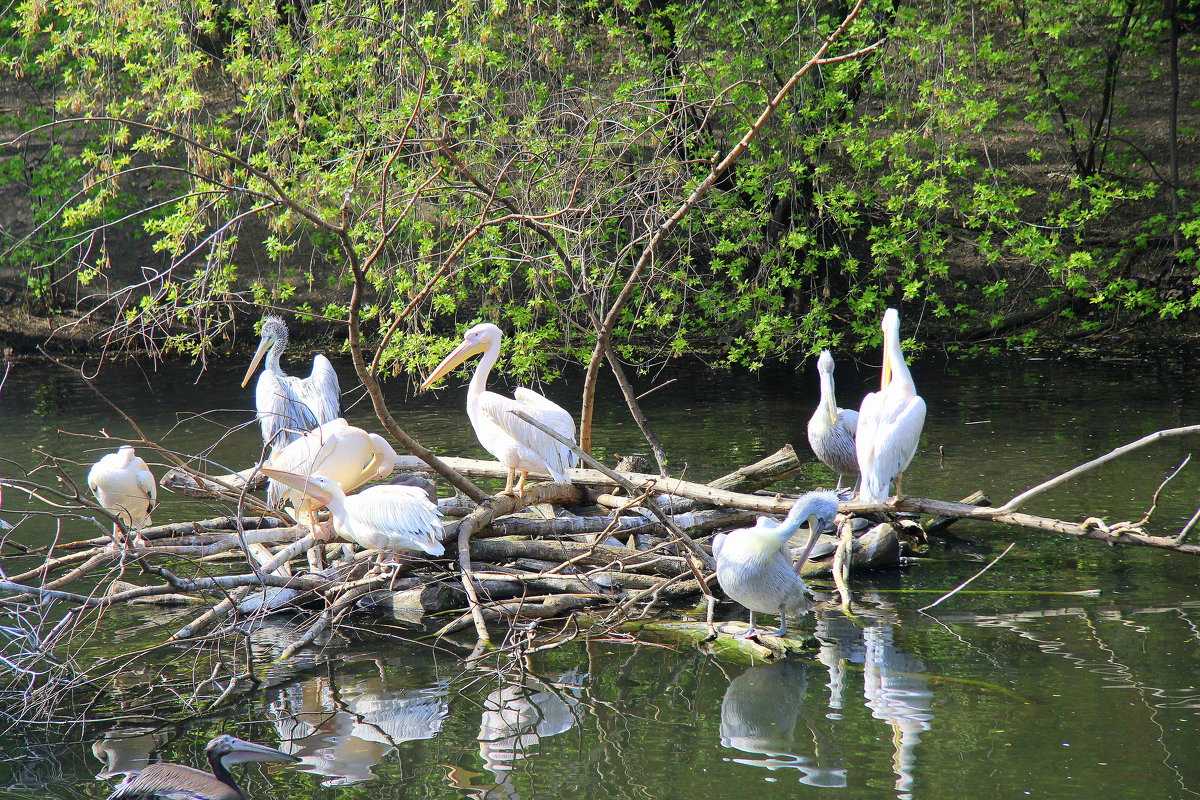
{"x": 963, "y": 585}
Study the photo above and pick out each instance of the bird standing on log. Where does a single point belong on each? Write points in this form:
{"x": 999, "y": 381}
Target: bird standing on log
{"x": 177, "y": 782}
{"x": 125, "y": 487}
{"x": 289, "y": 405}
{"x": 338, "y": 450}
{"x": 831, "y": 429}
{"x": 889, "y": 421}
{"x": 754, "y": 565}
{"x": 381, "y": 517}
{"x": 516, "y": 444}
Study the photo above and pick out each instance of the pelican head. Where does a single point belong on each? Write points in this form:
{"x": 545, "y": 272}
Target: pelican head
{"x": 319, "y": 487}
{"x": 274, "y": 334}
{"x": 891, "y": 338}
{"x": 229, "y": 750}
{"x": 476, "y": 340}
{"x": 819, "y": 509}
{"x": 125, "y": 454}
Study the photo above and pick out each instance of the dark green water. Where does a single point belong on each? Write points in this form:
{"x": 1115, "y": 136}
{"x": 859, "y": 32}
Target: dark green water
{"x": 1009, "y": 693}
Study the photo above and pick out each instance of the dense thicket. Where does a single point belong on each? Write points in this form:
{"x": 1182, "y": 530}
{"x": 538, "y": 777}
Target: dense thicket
{"x": 997, "y": 166}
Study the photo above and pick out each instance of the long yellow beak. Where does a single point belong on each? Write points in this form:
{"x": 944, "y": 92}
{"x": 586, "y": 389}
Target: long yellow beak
{"x": 814, "y": 531}
{"x": 263, "y": 347}
{"x": 887, "y": 365}
{"x": 301, "y": 483}
{"x": 456, "y": 357}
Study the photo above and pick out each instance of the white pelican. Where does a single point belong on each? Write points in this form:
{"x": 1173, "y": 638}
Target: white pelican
{"x": 515, "y": 443}
{"x": 186, "y": 783}
{"x": 889, "y": 421}
{"x": 831, "y": 429}
{"x": 754, "y": 565}
{"x": 125, "y": 487}
{"x": 380, "y": 517}
{"x": 289, "y": 405}
{"x": 338, "y": 450}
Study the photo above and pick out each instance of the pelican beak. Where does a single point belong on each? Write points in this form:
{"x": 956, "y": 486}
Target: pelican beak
{"x": 460, "y": 354}
{"x": 263, "y": 347}
{"x": 244, "y": 751}
{"x": 301, "y": 483}
{"x": 814, "y": 530}
{"x": 887, "y": 368}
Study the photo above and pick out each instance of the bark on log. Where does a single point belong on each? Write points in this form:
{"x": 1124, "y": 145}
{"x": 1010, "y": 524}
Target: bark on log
{"x": 584, "y": 555}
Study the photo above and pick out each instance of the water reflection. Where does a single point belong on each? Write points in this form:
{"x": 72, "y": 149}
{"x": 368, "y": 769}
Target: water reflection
{"x": 759, "y": 714}
{"x": 517, "y": 716}
{"x": 341, "y": 735}
{"x": 763, "y": 705}
{"x": 123, "y": 752}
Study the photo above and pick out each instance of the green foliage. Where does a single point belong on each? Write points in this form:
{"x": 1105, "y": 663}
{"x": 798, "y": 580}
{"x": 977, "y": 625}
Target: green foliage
{"x": 982, "y": 161}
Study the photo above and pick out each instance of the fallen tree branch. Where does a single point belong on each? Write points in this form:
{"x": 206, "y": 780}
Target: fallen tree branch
{"x": 1041, "y": 488}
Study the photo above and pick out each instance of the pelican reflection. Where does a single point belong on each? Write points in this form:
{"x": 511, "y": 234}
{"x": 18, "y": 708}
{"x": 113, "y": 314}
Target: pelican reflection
{"x": 759, "y": 714}
{"x": 894, "y": 686}
{"x": 519, "y": 715}
{"x": 341, "y": 736}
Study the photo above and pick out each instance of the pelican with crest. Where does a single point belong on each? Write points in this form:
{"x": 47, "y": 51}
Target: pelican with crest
{"x": 289, "y": 405}
{"x": 831, "y": 429}
{"x": 516, "y": 444}
{"x": 177, "y": 782}
{"x": 889, "y": 421}
{"x": 754, "y": 565}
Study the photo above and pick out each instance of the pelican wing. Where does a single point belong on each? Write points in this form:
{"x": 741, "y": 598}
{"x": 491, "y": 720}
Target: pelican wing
{"x": 889, "y": 428}
{"x": 849, "y": 418}
{"x": 320, "y": 390}
{"x": 556, "y": 457}
{"x": 282, "y": 412}
{"x": 383, "y": 514}
{"x": 173, "y": 782}
{"x": 146, "y": 482}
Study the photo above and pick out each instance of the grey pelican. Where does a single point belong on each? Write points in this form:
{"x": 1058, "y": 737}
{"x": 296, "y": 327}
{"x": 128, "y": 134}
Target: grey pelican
{"x": 516, "y": 444}
{"x": 889, "y": 421}
{"x": 289, "y": 405}
{"x": 338, "y": 450}
{"x": 831, "y": 429}
{"x": 177, "y": 782}
{"x": 754, "y": 565}
{"x": 381, "y": 517}
{"x": 124, "y": 487}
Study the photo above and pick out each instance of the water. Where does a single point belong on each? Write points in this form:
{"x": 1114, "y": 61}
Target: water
{"x": 1016, "y": 692}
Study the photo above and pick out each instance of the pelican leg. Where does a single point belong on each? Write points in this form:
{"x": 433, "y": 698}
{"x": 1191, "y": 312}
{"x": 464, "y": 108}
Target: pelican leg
{"x": 899, "y": 496}
{"x": 508, "y": 484}
{"x": 316, "y": 553}
{"x": 521, "y": 482}
{"x": 782, "y": 622}
{"x": 839, "y": 485}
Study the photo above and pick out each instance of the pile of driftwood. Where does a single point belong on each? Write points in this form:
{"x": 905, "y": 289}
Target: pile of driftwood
{"x": 612, "y": 548}
{"x": 618, "y": 544}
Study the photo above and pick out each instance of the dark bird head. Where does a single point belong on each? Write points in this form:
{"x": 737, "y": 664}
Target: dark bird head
{"x": 228, "y": 750}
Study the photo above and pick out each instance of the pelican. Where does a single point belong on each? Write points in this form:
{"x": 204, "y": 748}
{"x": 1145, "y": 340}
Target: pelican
{"x": 889, "y": 421}
{"x": 381, "y": 517}
{"x": 176, "y": 782}
{"x": 754, "y": 565}
{"x": 831, "y": 429}
{"x": 125, "y": 487}
{"x": 516, "y": 444}
{"x": 289, "y": 405}
{"x": 338, "y": 450}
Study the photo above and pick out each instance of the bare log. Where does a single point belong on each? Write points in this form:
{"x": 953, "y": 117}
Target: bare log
{"x": 778, "y": 466}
